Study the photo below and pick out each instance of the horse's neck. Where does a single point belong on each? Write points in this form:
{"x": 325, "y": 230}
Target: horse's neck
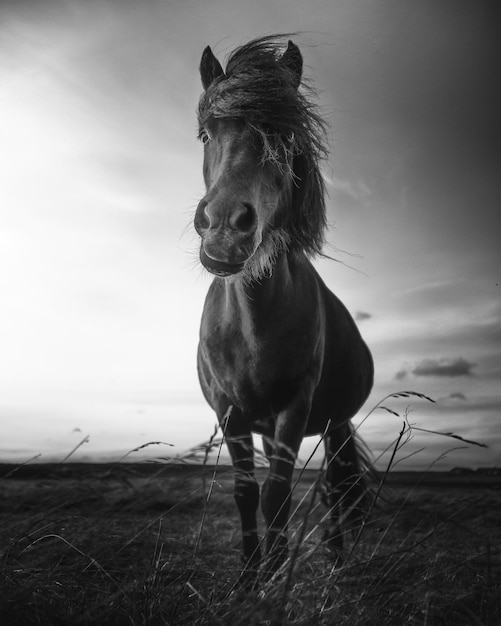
{"x": 258, "y": 300}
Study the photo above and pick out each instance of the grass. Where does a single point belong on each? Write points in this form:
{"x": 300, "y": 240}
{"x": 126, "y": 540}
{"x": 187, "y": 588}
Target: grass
{"x": 143, "y": 544}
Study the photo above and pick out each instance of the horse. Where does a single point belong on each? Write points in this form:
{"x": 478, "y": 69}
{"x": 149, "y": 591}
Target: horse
{"x": 279, "y": 354}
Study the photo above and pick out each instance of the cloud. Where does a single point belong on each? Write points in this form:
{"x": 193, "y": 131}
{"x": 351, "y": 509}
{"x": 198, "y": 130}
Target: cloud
{"x": 443, "y": 367}
{"x": 447, "y": 368}
{"x": 458, "y": 396}
{"x": 454, "y": 399}
{"x": 361, "y": 316}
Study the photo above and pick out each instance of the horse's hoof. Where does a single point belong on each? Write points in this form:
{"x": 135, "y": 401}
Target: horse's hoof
{"x": 249, "y": 576}
{"x": 273, "y": 565}
{"x": 248, "y": 580}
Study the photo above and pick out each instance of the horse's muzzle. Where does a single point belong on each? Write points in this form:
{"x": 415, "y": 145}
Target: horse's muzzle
{"x": 229, "y": 236}
{"x": 219, "y": 268}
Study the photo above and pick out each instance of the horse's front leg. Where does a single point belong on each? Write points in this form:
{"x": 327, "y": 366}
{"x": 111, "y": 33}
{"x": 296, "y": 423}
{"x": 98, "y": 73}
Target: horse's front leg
{"x": 276, "y": 493}
{"x": 238, "y": 438}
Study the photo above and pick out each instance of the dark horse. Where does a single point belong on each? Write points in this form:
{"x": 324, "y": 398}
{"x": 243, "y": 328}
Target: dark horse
{"x": 279, "y": 354}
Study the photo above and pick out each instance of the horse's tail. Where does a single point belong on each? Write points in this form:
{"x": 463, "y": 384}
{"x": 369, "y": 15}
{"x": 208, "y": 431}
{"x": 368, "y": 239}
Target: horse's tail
{"x": 349, "y": 477}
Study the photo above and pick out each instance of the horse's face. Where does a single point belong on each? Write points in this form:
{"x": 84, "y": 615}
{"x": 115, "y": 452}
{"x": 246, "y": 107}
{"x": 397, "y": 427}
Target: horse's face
{"x": 244, "y": 193}
{"x": 247, "y": 168}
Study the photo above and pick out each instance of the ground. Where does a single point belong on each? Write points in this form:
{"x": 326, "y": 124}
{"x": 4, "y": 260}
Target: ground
{"x": 160, "y": 544}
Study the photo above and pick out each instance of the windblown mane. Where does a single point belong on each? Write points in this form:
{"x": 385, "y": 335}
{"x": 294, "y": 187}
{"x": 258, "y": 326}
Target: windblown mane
{"x": 259, "y": 90}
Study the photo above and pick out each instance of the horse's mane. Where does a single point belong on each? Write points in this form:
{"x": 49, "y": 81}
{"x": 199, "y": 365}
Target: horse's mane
{"x": 259, "y": 90}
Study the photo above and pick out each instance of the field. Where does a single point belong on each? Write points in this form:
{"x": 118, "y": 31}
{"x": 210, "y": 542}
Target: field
{"x": 159, "y": 544}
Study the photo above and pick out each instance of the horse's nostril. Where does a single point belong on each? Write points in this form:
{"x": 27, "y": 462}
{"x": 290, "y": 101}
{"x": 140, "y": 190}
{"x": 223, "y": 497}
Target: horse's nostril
{"x": 244, "y": 218}
{"x": 202, "y": 218}
{"x": 210, "y": 216}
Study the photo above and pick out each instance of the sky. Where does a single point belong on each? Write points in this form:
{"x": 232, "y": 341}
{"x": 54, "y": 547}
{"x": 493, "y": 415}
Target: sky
{"x": 100, "y": 173}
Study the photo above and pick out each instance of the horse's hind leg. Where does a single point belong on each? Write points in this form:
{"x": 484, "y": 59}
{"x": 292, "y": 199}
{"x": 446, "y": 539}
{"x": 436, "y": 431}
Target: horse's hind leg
{"x": 342, "y": 484}
{"x": 246, "y": 490}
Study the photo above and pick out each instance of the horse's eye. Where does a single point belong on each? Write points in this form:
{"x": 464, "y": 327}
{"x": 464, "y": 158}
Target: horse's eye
{"x": 204, "y": 136}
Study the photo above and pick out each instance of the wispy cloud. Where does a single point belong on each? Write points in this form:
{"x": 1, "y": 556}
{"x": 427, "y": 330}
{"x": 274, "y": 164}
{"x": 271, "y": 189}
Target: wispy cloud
{"x": 355, "y": 190}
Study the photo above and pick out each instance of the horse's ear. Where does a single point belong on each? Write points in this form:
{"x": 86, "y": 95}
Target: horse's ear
{"x": 210, "y": 68}
{"x": 294, "y": 61}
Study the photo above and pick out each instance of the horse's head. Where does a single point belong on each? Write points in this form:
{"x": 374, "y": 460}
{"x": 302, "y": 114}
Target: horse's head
{"x": 249, "y": 118}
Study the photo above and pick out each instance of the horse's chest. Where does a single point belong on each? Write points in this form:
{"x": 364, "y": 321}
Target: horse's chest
{"x": 250, "y": 370}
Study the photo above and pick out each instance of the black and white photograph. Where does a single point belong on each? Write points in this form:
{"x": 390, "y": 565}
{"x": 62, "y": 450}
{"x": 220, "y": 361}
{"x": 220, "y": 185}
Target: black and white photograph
{"x": 250, "y": 321}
